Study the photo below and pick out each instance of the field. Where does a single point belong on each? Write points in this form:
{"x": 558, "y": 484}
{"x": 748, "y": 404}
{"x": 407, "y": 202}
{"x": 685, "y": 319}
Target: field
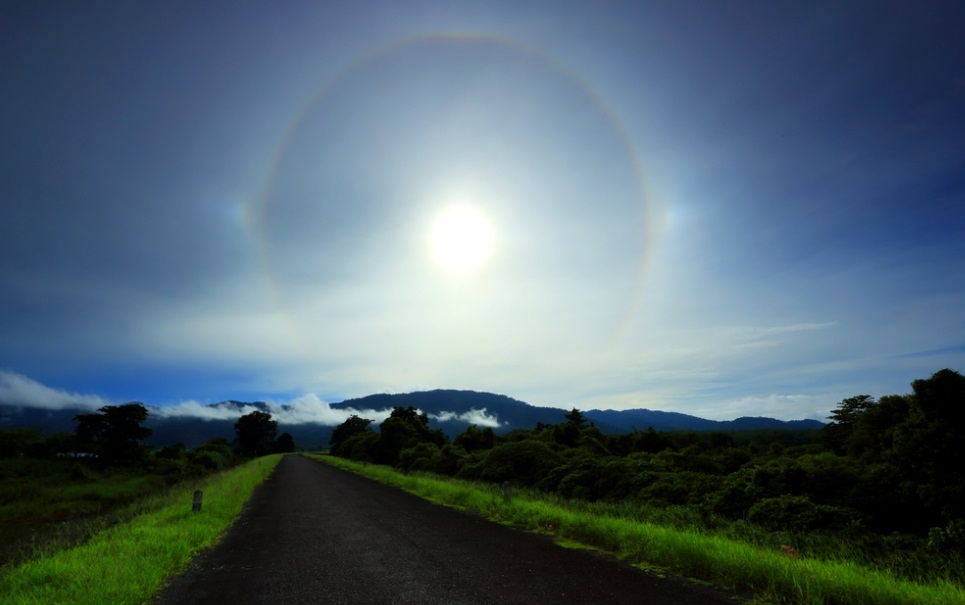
{"x": 49, "y": 504}
{"x": 124, "y": 556}
{"x": 771, "y": 574}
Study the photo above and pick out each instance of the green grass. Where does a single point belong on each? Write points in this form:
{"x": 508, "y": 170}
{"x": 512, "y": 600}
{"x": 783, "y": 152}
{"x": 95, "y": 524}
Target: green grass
{"x": 131, "y": 561}
{"x": 56, "y": 503}
{"x": 770, "y": 574}
{"x": 34, "y": 489}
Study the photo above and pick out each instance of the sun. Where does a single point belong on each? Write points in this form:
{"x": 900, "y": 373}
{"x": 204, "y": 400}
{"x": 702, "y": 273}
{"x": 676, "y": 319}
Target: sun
{"x": 461, "y": 240}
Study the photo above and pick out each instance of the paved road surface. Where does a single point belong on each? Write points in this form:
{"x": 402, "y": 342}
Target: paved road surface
{"x": 316, "y": 534}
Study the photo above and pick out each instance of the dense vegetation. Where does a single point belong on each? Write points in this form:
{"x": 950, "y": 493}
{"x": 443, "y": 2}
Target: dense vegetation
{"x": 882, "y": 481}
{"x": 62, "y": 489}
{"x": 129, "y": 561}
{"x": 114, "y": 437}
{"x": 655, "y": 539}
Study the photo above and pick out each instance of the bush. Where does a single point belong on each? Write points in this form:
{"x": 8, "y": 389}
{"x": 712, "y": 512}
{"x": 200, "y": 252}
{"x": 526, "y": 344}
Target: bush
{"x": 678, "y": 488}
{"x": 210, "y": 461}
{"x": 524, "y": 462}
{"x": 949, "y": 538}
{"x": 360, "y": 446}
{"x": 795, "y": 513}
{"x": 418, "y": 458}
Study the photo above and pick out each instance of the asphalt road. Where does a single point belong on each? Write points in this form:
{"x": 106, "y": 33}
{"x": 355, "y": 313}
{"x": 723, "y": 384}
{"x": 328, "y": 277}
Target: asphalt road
{"x": 316, "y": 534}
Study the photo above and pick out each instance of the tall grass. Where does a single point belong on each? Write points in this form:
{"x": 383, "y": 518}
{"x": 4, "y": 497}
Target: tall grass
{"x": 774, "y": 574}
{"x": 33, "y": 489}
{"x": 131, "y": 561}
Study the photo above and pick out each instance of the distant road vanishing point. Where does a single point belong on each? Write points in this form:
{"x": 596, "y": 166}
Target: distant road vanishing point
{"x": 315, "y": 534}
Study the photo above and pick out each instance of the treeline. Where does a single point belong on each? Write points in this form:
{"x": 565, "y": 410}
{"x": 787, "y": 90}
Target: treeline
{"x": 882, "y": 466}
{"x": 114, "y": 437}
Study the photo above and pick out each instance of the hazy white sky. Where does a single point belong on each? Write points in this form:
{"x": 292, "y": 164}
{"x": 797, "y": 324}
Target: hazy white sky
{"x": 724, "y": 210}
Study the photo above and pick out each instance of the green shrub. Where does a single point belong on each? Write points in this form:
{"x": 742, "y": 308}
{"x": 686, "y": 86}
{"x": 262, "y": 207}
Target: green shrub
{"x": 524, "y": 462}
{"x": 796, "y": 513}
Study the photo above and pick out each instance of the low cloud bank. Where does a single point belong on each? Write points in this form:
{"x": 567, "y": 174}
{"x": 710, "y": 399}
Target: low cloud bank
{"x": 16, "y": 389}
{"x": 473, "y": 416}
{"x": 308, "y": 409}
{"x": 780, "y": 406}
{"x": 301, "y": 410}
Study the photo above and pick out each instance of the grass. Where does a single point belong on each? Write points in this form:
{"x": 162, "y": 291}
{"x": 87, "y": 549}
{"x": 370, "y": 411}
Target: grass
{"x": 59, "y": 502}
{"x": 780, "y": 575}
{"x": 131, "y": 561}
{"x": 34, "y": 489}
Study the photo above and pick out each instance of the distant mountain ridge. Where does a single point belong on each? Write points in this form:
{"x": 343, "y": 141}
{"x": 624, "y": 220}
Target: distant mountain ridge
{"x": 513, "y": 413}
{"x": 642, "y": 418}
{"x": 450, "y": 410}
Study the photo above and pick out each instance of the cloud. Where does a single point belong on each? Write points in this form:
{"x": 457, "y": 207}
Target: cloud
{"x": 473, "y": 416}
{"x": 305, "y": 409}
{"x": 17, "y": 389}
{"x": 309, "y": 408}
{"x": 944, "y": 351}
{"x": 201, "y": 411}
{"x": 782, "y": 406}
{"x": 758, "y": 336}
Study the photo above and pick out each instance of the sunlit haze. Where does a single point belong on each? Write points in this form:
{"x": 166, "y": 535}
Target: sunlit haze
{"x": 720, "y": 209}
{"x": 461, "y": 240}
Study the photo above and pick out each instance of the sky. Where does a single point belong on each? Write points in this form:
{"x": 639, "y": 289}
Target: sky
{"x": 721, "y": 209}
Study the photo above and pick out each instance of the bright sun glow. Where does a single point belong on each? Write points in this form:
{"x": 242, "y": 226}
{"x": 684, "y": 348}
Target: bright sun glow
{"x": 461, "y": 240}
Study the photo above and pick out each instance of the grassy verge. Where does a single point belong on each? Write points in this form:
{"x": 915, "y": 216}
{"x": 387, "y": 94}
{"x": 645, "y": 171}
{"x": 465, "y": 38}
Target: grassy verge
{"x": 35, "y": 489}
{"x": 130, "y": 562}
{"x": 780, "y": 575}
{"x": 52, "y": 504}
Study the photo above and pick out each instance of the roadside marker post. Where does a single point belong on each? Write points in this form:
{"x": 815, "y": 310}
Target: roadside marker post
{"x": 196, "y": 505}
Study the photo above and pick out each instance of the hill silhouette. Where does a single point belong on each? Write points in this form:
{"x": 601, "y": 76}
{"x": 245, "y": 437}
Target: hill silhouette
{"x": 450, "y": 410}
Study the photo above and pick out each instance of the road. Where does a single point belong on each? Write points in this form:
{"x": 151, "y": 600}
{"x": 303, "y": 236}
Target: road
{"x": 315, "y": 534}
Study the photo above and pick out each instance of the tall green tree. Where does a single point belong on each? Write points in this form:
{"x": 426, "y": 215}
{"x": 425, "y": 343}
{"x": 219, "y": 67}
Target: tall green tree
{"x": 114, "y": 433}
{"x": 256, "y": 434}
{"x": 929, "y": 446}
{"x": 576, "y": 417}
{"x": 403, "y": 429}
{"x": 395, "y": 435}
{"x": 353, "y": 425}
{"x": 837, "y": 433}
{"x": 472, "y": 439}
{"x": 285, "y": 443}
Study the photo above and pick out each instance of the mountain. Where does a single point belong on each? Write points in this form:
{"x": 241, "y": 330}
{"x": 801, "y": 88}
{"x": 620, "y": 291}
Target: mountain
{"x": 509, "y": 413}
{"x": 450, "y": 410}
{"x": 642, "y": 419}
{"x": 514, "y": 414}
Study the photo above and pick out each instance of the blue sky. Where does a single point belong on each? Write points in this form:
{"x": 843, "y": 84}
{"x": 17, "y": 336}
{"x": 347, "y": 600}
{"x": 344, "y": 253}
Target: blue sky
{"x": 721, "y": 209}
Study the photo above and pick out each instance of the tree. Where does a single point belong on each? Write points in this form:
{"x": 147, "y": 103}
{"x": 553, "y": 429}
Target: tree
{"x": 929, "y": 447}
{"x": 354, "y": 425}
{"x": 17, "y": 442}
{"x": 114, "y": 433}
{"x": 256, "y": 433}
{"x": 285, "y": 443}
{"x": 873, "y": 433}
{"x": 472, "y": 439}
{"x": 412, "y": 416}
{"x": 395, "y": 435}
{"x": 576, "y": 417}
{"x": 837, "y": 433}
{"x": 405, "y": 428}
